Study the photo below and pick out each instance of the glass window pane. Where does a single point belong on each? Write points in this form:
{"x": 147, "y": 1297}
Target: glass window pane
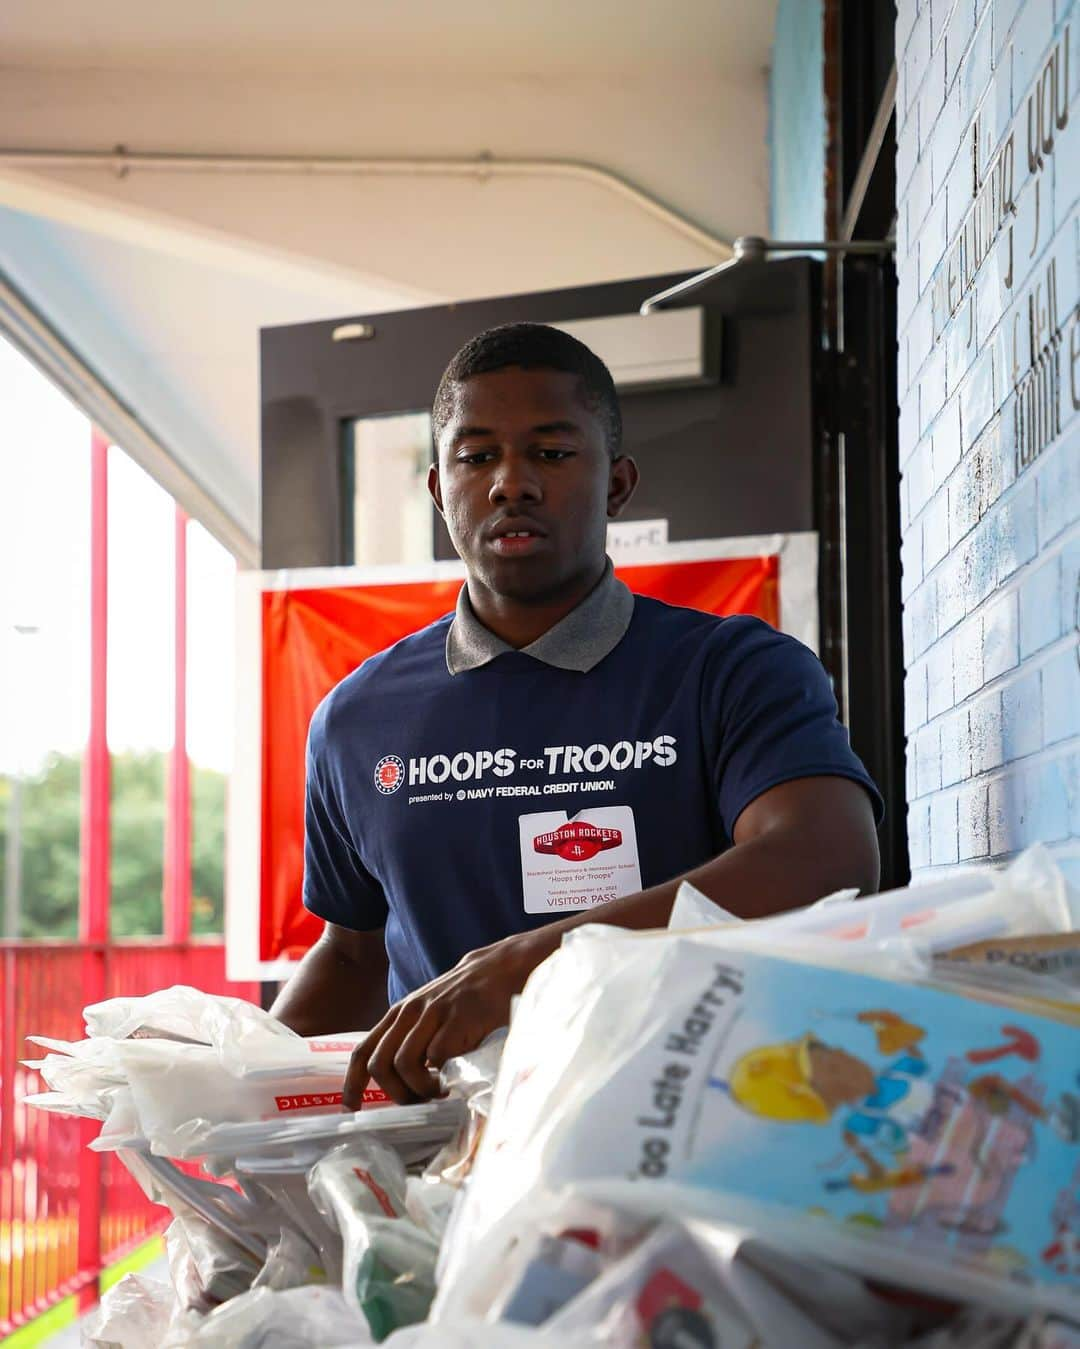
{"x": 211, "y": 577}
{"x": 140, "y": 690}
{"x": 387, "y": 460}
{"x": 44, "y": 648}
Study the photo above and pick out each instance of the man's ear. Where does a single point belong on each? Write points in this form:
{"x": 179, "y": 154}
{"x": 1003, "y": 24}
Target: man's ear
{"x": 622, "y": 479}
{"x": 434, "y": 486}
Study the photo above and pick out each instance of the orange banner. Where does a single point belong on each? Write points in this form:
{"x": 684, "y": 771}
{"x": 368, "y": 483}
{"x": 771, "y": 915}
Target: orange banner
{"x": 312, "y": 638}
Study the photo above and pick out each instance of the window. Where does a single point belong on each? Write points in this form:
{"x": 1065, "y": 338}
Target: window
{"x": 44, "y": 648}
{"x": 45, "y": 658}
{"x": 211, "y": 571}
{"x": 141, "y": 688}
{"x": 390, "y": 517}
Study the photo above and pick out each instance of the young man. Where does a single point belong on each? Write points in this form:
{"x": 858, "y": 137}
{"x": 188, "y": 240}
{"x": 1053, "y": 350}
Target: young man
{"x": 554, "y": 713}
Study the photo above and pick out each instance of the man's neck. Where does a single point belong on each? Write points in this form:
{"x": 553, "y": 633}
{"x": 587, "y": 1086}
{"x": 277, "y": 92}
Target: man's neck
{"x": 520, "y": 623}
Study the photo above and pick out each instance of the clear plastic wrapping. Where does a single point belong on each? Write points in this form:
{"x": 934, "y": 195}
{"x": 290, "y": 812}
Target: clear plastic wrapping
{"x": 388, "y": 1262}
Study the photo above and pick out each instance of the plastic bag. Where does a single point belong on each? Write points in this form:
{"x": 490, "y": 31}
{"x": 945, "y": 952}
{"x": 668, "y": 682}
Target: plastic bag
{"x": 136, "y": 1312}
{"x": 548, "y": 1250}
{"x": 974, "y": 1329}
{"x": 472, "y": 1334}
{"x": 692, "y": 910}
{"x": 249, "y": 1226}
{"x": 183, "y": 1014}
{"x": 284, "y": 1194}
{"x": 182, "y": 1091}
{"x": 545, "y": 1273}
{"x": 724, "y": 1287}
{"x": 294, "y": 1319}
{"x": 394, "y": 1280}
{"x": 416, "y": 1132}
{"x": 429, "y": 1203}
{"x": 258, "y": 1055}
{"x": 389, "y": 1262}
{"x": 1027, "y": 897}
{"x": 205, "y": 1266}
{"x": 357, "y": 1179}
{"x": 862, "y": 1120}
{"x": 292, "y": 1262}
{"x": 84, "y": 1076}
{"x": 170, "y": 1069}
{"x": 223, "y": 1242}
{"x": 469, "y": 1078}
{"x": 171, "y": 1095}
{"x": 248, "y": 1041}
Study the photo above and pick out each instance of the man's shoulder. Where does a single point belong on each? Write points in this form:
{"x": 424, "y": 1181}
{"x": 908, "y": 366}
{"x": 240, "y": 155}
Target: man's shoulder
{"x": 733, "y": 634}
{"x": 411, "y": 663}
{"x": 726, "y": 652}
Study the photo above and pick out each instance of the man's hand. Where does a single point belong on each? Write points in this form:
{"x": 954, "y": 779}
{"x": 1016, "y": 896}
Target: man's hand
{"x": 793, "y": 844}
{"x": 449, "y": 1016}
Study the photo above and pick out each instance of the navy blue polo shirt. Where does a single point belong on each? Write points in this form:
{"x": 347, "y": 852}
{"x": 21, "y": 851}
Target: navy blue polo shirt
{"x": 456, "y": 809}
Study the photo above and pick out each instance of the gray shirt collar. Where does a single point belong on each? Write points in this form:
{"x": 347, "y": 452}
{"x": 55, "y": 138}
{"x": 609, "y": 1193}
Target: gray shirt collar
{"x": 577, "y": 642}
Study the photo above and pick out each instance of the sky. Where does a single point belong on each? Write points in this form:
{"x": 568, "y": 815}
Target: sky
{"x": 44, "y": 593}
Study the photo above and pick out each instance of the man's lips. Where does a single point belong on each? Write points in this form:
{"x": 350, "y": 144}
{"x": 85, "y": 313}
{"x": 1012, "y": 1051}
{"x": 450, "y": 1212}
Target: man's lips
{"x": 517, "y": 545}
{"x": 516, "y": 537}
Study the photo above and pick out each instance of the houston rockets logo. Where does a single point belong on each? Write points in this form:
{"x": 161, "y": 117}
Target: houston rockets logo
{"x": 389, "y": 774}
{"x": 577, "y": 841}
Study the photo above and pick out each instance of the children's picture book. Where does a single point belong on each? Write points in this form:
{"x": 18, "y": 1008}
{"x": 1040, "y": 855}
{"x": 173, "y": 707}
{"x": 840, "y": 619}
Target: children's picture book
{"x": 948, "y": 1127}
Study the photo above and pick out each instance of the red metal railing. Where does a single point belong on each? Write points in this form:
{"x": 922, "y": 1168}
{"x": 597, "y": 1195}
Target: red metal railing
{"x": 66, "y": 1213}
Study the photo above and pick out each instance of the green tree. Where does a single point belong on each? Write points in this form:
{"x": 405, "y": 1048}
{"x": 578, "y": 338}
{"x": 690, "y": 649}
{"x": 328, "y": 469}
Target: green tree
{"x": 51, "y": 818}
{"x": 136, "y": 872}
{"x": 208, "y": 849}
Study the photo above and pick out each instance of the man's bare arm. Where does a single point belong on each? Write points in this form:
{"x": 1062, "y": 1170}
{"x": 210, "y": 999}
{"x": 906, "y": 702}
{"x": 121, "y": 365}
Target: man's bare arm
{"x": 339, "y": 985}
{"x": 793, "y": 844}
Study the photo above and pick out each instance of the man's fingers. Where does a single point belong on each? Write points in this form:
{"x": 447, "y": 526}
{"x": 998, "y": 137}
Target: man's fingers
{"x": 382, "y": 1062}
{"x": 451, "y": 1015}
{"x": 411, "y": 1059}
{"x": 357, "y": 1074}
{"x": 356, "y": 1077}
{"x": 455, "y": 1037}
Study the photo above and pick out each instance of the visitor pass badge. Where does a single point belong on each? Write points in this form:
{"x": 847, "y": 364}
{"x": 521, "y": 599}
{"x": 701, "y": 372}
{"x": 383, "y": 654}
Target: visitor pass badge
{"x": 574, "y": 863}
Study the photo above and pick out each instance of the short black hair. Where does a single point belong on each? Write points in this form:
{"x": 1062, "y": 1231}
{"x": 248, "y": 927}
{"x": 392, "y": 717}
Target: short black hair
{"x": 532, "y": 346}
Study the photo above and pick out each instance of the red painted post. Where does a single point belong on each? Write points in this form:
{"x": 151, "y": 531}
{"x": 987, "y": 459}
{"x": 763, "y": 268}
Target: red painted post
{"x": 177, "y": 895}
{"x": 9, "y": 1057}
{"x": 95, "y": 844}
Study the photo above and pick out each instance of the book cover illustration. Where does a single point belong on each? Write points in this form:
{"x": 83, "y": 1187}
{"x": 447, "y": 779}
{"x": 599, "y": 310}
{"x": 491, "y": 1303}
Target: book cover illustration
{"x": 949, "y": 1124}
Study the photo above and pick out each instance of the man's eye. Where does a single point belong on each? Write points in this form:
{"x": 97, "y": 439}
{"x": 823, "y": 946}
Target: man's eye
{"x": 553, "y": 455}
{"x": 475, "y": 456}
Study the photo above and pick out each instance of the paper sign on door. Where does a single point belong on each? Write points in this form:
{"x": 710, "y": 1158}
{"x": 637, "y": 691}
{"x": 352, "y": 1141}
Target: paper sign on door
{"x": 569, "y": 864}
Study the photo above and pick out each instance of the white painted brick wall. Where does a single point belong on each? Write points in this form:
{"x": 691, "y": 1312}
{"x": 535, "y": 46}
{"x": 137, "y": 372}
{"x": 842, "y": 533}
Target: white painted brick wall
{"x": 989, "y": 342}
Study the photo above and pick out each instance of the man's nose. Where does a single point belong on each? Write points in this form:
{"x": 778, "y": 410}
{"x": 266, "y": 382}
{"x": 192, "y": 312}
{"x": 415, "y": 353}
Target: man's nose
{"x": 515, "y": 480}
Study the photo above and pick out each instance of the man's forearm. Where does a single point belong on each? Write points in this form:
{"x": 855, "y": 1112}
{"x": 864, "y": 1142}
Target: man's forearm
{"x": 334, "y": 990}
{"x": 780, "y": 869}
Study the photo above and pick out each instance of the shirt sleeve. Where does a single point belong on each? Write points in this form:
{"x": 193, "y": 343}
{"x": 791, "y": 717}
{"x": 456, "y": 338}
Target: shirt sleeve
{"x": 773, "y": 716}
{"x": 337, "y": 885}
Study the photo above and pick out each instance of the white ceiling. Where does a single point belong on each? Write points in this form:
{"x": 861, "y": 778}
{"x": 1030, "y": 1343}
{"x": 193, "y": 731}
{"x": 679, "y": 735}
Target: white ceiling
{"x": 481, "y": 36}
{"x": 162, "y": 279}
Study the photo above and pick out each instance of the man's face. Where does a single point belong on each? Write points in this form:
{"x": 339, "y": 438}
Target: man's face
{"x": 526, "y": 484}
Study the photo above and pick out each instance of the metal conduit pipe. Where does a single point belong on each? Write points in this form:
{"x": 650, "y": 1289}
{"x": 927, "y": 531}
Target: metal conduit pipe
{"x": 751, "y": 248}
{"x": 122, "y": 162}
